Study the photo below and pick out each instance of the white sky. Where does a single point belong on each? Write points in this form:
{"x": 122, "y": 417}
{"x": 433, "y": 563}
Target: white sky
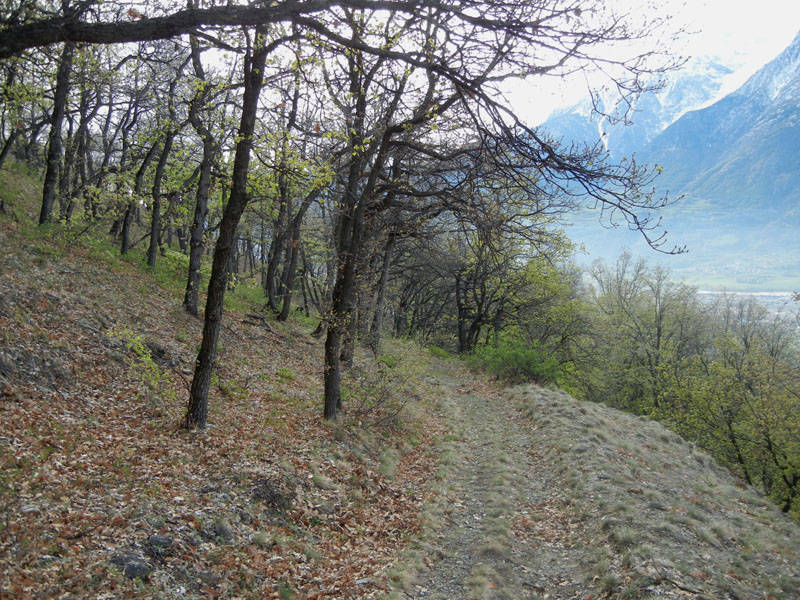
{"x": 743, "y": 34}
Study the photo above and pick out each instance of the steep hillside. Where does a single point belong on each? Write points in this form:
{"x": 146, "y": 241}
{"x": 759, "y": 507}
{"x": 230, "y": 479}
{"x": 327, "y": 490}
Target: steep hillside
{"x": 435, "y": 484}
{"x": 103, "y": 495}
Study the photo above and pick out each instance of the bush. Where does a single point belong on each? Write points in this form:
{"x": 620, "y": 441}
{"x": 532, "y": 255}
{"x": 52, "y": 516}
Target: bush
{"x": 389, "y": 360}
{"x": 516, "y": 361}
{"x": 143, "y": 367}
{"x": 438, "y": 352}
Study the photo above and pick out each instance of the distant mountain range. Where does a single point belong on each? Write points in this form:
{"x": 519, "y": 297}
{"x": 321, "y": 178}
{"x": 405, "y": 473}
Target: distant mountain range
{"x": 736, "y": 161}
{"x": 697, "y": 84}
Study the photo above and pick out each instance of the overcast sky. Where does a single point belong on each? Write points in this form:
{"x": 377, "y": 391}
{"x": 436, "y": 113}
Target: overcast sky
{"x": 743, "y": 34}
{"x": 758, "y": 29}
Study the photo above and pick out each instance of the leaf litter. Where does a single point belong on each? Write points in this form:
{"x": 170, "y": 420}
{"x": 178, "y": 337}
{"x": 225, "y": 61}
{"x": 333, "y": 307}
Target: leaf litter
{"x": 102, "y": 495}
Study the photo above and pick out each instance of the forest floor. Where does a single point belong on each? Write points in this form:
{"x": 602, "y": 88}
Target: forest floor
{"x": 436, "y": 483}
{"x": 103, "y": 495}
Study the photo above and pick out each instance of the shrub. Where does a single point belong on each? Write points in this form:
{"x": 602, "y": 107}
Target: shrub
{"x": 171, "y": 270}
{"x": 379, "y": 394}
{"x": 438, "y": 352}
{"x": 515, "y": 361}
{"x": 143, "y": 367}
{"x": 285, "y": 373}
{"x": 389, "y": 360}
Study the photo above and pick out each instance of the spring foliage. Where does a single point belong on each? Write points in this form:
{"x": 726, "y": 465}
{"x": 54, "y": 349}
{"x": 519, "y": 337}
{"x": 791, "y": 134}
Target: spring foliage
{"x": 513, "y": 360}
{"x": 721, "y": 373}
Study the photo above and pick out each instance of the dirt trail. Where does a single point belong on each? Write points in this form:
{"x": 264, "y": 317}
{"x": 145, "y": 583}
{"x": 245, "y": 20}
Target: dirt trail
{"x": 505, "y": 532}
{"x": 541, "y": 496}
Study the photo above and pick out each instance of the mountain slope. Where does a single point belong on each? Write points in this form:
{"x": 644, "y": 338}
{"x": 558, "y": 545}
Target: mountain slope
{"x": 734, "y": 163}
{"x": 697, "y": 84}
{"x": 742, "y": 150}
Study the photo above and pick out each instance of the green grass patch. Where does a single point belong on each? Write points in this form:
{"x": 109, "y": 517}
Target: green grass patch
{"x": 439, "y": 352}
{"x": 244, "y": 297}
{"x": 285, "y": 373}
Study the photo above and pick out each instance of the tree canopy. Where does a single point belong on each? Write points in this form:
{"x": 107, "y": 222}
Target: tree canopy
{"x": 380, "y": 121}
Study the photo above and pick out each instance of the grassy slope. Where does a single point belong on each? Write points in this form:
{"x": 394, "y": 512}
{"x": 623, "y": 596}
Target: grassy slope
{"x": 544, "y": 496}
{"x": 269, "y": 502}
{"x": 670, "y": 519}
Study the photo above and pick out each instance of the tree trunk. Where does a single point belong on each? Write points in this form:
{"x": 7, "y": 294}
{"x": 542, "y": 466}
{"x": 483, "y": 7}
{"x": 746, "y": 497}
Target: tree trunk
{"x": 463, "y": 344}
{"x": 377, "y": 320}
{"x": 276, "y": 250}
{"x": 330, "y": 275}
{"x": 65, "y": 173}
{"x": 54, "y": 146}
{"x": 30, "y": 150}
{"x": 333, "y": 375}
{"x": 127, "y": 220}
{"x": 12, "y": 136}
{"x": 288, "y": 283}
{"x": 294, "y": 253}
{"x": 197, "y": 412}
{"x": 197, "y": 229}
{"x": 343, "y": 291}
{"x": 304, "y": 284}
{"x": 198, "y": 225}
{"x": 7, "y": 146}
{"x": 83, "y": 154}
{"x": 155, "y": 223}
{"x": 346, "y": 356}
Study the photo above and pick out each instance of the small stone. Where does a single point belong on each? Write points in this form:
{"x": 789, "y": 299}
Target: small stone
{"x": 30, "y": 510}
{"x": 133, "y": 564}
{"x": 136, "y": 568}
{"x": 122, "y": 559}
{"x": 160, "y": 541}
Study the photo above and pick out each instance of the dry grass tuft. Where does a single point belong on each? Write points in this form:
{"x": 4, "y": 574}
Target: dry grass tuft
{"x": 653, "y": 497}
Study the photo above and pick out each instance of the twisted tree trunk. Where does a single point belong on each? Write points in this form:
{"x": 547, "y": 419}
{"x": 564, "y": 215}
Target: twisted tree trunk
{"x": 54, "y": 145}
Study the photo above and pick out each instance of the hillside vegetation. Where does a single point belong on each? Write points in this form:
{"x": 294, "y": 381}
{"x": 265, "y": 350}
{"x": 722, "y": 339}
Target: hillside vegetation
{"x": 529, "y": 492}
{"x": 102, "y": 495}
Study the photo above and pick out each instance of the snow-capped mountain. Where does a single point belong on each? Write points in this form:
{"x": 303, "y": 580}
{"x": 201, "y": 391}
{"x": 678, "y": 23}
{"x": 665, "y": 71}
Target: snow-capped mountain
{"x": 694, "y": 86}
{"x": 743, "y": 150}
{"x": 736, "y": 162}
{"x": 774, "y": 79}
